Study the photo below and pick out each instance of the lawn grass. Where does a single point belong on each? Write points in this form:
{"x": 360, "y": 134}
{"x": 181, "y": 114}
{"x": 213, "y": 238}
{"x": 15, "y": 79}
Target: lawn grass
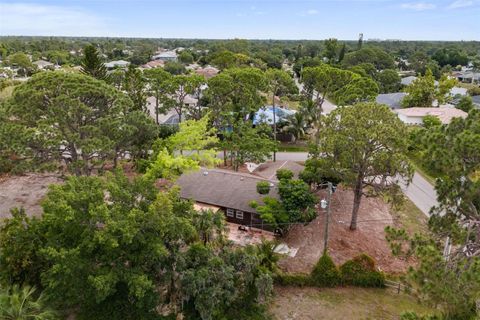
{"x": 410, "y": 218}
{"x": 342, "y": 303}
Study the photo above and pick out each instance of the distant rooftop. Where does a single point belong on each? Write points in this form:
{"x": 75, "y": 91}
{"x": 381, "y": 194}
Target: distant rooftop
{"x": 444, "y": 114}
{"x": 393, "y": 100}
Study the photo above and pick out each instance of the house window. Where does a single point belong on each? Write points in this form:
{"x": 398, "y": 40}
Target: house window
{"x": 230, "y": 213}
{"x": 239, "y": 214}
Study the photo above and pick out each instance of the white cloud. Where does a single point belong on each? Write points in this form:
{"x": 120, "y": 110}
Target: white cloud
{"x": 461, "y": 4}
{"x": 418, "y": 6}
{"x": 312, "y": 11}
{"x": 38, "y": 19}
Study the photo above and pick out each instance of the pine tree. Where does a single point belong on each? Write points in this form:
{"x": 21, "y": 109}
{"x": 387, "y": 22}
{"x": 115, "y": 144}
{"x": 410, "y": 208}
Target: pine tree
{"x": 92, "y": 64}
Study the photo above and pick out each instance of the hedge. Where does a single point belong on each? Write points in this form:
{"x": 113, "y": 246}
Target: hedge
{"x": 293, "y": 279}
{"x": 361, "y": 272}
{"x": 325, "y": 273}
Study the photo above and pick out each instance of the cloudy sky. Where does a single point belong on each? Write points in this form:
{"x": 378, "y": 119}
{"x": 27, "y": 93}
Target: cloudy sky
{"x": 262, "y": 19}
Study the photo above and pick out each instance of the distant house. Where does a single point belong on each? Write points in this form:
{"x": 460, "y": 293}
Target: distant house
{"x": 415, "y": 115}
{"x": 208, "y": 72}
{"x": 466, "y": 76}
{"x": 408, "y": 80}
{"x": 392, "y": 100}
{"x": 42, "y": 64}
{"x": 167, "y": 118}
{"x": 458, "y": 91}
{"x": 117, "y": 64}
{"x": 231, "y": 192}
{"x": 265, "y": 115}
{"x": 166, "y": 56}
{"x": 153, "y": 64}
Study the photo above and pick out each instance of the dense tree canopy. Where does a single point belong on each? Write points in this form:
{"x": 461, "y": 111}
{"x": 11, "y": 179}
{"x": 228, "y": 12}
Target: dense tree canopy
{"x": 75, "y": 119}
{"x": 110, "y": 247}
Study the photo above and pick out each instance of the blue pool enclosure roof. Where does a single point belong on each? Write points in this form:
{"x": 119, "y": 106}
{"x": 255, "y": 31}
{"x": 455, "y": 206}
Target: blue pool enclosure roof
{"x": 265, "y": 115}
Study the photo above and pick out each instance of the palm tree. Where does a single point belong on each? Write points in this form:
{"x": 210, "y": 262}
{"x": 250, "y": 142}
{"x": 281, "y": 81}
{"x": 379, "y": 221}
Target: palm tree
{"x": 266, "y": 254}
{"x": 210, "y": 226}
{"x": 296, "y": 125}
{"x": 22, "y": 304}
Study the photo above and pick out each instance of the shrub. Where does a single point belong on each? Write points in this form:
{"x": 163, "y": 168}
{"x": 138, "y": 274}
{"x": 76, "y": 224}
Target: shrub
{"x": 292, "y": 279}
{"x": 361, "y": 271}
{"x": 263, "y": 187}
{"x": 284, "y": 174}
{"x": 325, "y": 273}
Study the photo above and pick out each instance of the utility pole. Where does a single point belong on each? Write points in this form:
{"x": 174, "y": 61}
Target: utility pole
{"x": 327, "y": 218}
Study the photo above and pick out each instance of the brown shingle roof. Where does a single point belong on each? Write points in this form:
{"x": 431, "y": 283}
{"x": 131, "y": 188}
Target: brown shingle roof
{"x": 223, "y": 188}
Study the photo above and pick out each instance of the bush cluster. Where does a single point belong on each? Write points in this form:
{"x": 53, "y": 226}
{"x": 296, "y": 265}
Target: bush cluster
{"x": 263, "y": 187}
{"x": 284, "y": 174}
{"x": 360, "y": 272}
{"x": 325, "y": 273}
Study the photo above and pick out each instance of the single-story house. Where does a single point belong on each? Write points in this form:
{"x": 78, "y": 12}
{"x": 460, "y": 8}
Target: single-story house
{"x": 409, "y": 80}
{"x": 117, "y": 64}
{"x": 231, "y": 192}
{"x": 458, "y": 91}
{"x": 166, "y": 56}
{"x": 208, "y": 72}
{"x": 153, "y": 64}
{"x": 42, "y": 64}
{"x": 415, "y": 115}
{"x": 393, "y": 100}
{"x": 466, "y": 76}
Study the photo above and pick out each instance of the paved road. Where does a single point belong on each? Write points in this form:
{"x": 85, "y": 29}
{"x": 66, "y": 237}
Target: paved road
{"x": 422, "y": 193}
{"x": 419, "y": 191}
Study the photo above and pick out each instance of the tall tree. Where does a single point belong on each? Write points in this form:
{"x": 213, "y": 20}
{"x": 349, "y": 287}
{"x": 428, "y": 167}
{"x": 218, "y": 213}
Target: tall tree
{"x": 75, "y": 119}
{"x": 180, "y": 87}
{"x": 344, "y": 87}
{"x": 331, "y": 50}
{"x": 92, "y": 63}
{"x": 447, "y": 274}
{"x": 158, "y": 80}
{"x": 134, "y": 85}
{"x": 364, "y": 146}
{"x": 279, "y": 83}
{"x": 421, "y": 93}
{"x": 388, "y": 81}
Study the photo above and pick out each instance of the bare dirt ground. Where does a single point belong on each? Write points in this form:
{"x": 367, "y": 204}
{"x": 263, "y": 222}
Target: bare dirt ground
{"x": 25, "y": 191}
{"x": 344, "y": 244}
{"x": 292, "y": 303}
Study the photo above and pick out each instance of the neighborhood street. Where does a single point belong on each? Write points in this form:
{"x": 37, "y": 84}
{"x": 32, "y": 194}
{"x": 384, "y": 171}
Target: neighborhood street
{"x": 419, "y": 191}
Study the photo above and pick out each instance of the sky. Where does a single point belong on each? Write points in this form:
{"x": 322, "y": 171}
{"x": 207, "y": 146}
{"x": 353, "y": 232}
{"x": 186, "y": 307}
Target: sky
{"x": 262, "y": 19}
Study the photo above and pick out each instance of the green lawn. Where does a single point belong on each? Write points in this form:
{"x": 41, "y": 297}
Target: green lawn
{"x": 342, "y": 303}
{"x": 410, "y": 218}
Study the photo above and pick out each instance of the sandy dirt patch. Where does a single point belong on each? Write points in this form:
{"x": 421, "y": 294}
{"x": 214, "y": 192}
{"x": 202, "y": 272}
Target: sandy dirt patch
{"x": 344, "y": 244}
{"x": 25, "y": 191}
